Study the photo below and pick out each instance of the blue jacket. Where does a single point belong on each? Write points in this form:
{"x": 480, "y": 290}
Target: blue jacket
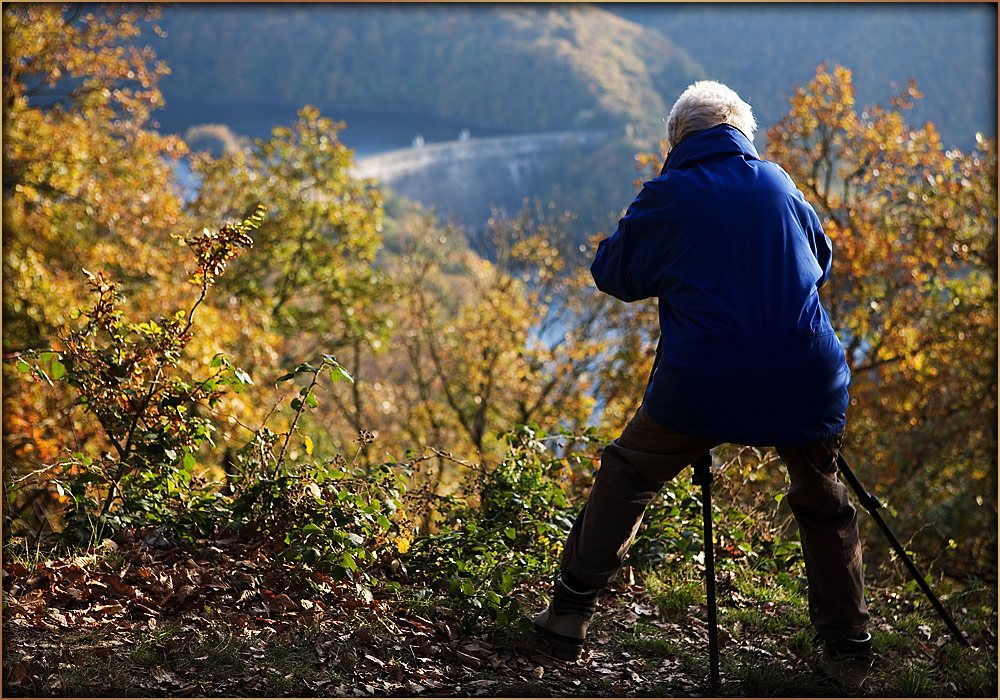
{"x": 735, "y": 256}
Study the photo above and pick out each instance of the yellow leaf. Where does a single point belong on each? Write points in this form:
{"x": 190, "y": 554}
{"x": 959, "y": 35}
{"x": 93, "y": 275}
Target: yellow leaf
{"x": 309, "y": 445}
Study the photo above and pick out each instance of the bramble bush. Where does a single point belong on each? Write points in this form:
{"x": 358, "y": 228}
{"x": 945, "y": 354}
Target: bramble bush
{"x": 127, "y": 375}
{"x": 507, "y": 531}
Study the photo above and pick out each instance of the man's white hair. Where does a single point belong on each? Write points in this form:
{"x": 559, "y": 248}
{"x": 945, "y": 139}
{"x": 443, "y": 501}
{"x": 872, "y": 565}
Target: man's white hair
{"x": 705, "y": 104}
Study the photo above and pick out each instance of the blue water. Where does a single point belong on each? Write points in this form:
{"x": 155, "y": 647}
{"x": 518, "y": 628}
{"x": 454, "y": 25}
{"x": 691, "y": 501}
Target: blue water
{"x": 366, "y": 132}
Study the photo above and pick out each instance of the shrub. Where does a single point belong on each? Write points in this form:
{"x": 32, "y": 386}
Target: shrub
{"x": 509, "y": 532}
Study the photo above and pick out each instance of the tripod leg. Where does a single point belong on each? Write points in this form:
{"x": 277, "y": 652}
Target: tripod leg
{"x": 871, "y": 504}
{"x": 703, "y": 476}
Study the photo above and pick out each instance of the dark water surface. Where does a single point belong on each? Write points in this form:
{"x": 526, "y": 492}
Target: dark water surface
{"x": 366, "y": 132}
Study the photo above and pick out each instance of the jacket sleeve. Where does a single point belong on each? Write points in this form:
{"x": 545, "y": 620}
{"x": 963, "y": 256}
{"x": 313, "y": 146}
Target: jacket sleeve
{"x": 820, "y": 243}
{"x": 618, "y": 267}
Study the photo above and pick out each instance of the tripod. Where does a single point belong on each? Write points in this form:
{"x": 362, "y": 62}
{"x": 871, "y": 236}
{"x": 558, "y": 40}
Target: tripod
{"x": 871, "y": 504}
{"x": 703, "y": 477}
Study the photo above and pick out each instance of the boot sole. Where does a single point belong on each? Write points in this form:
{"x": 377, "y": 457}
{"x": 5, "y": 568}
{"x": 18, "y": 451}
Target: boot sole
{"x": 559, "y": 647}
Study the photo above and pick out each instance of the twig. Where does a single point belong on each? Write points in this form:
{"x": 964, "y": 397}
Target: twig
{"x": 295, "y": 420}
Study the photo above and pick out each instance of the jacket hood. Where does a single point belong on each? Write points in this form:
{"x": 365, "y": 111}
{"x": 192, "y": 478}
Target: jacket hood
{"x": 722, "y": 141}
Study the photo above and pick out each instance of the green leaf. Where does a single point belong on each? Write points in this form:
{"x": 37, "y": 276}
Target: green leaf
{"x": 285, "y": 377}
{"x": 348, "y": 562}
{"x": 311, "y": 400}
{"x": 339, "y": 374}
{"x": 23, "y": 367}
{"x": 58, "y": 369}
{"x": 188, "y": 460}
{"x": 296, "y": 403}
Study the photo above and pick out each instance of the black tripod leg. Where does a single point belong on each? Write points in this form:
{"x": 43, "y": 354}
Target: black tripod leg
{"x": 703, "y": 476}
{"x": 871, "y": 504}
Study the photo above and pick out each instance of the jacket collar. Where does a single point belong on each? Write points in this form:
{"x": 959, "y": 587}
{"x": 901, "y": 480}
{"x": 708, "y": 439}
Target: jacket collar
{"x": 722, "y": 141}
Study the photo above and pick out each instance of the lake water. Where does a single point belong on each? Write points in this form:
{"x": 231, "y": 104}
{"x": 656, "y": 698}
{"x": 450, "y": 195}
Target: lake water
{"x": 366, "y": 132}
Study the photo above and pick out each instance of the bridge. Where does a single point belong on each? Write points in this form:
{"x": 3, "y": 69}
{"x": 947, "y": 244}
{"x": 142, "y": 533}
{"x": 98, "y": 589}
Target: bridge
{"x": 464, "y": 179}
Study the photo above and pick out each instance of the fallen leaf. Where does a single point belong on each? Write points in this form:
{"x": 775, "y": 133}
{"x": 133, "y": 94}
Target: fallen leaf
{"x": 112, "y": 609}
{"x": 286, "y": 603}
{"x": 538, "y": 672}
{"x": 378, "y": 662}
{"x": 162, "y": 675}
{"x": 467, "y": 659}
{"x": 644, "y": 609}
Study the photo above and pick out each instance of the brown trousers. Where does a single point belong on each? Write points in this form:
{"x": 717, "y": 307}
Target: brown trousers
{"x": 647, "y": 455}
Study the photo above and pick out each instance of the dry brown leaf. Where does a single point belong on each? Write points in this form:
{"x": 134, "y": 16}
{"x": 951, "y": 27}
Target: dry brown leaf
{"x": 467, "y": 659}
{"x": 286, "y": 603}
{"x": 109, "y": 610}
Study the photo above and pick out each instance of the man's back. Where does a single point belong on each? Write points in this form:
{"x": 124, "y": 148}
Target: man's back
{"x": 735, "y": 256}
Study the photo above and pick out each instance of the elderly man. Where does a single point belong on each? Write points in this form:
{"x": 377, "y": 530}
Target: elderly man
{"x": 735, "y": 257}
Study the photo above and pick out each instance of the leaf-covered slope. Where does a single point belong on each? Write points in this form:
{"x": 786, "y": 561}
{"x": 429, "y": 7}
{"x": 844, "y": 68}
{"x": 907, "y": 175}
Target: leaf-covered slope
{"x": 522, "y": 68}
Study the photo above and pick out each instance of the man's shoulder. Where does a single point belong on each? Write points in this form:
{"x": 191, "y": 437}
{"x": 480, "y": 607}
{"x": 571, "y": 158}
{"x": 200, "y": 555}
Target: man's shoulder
{"x": 771, "y": 169}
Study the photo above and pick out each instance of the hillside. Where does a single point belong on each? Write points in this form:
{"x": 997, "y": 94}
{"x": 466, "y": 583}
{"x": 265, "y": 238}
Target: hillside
{"x": 520, "y": 68}
{"x": 528, "y": 68}
{"x": 764, "y": 49}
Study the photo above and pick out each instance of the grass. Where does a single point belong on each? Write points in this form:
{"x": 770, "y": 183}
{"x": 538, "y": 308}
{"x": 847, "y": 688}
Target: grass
{"x": 649, "y": 642}
{"x": 917, "y": 680}
{"x": 672, "y": 592}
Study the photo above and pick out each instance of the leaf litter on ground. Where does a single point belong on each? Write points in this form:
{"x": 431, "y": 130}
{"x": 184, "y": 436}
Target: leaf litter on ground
{"x": 228, "y": 619}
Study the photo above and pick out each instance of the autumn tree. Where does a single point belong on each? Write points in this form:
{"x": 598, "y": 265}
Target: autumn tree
{"x": 913, "y": 297}
{"x": 87, "y": 184}
{"x": 313, "y": 286}
{"x": 513, "y": 338}
{"x": 86, "y": 177}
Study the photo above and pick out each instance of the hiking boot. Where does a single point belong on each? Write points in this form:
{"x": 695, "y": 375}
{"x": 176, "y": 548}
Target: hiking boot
{"x": 564, "y": 623}
{"x": 847, "y": 661}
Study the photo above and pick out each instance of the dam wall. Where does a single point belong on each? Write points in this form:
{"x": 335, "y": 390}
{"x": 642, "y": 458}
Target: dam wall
{"x": 465, "y": 179}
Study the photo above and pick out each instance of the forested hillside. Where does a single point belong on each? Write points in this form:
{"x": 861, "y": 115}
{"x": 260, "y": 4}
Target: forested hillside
{"x": 519, "y": 67}
{"x": 764, "y": 49}
{"x": 282, "y": 435}
{"x": 529, "y": 68}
